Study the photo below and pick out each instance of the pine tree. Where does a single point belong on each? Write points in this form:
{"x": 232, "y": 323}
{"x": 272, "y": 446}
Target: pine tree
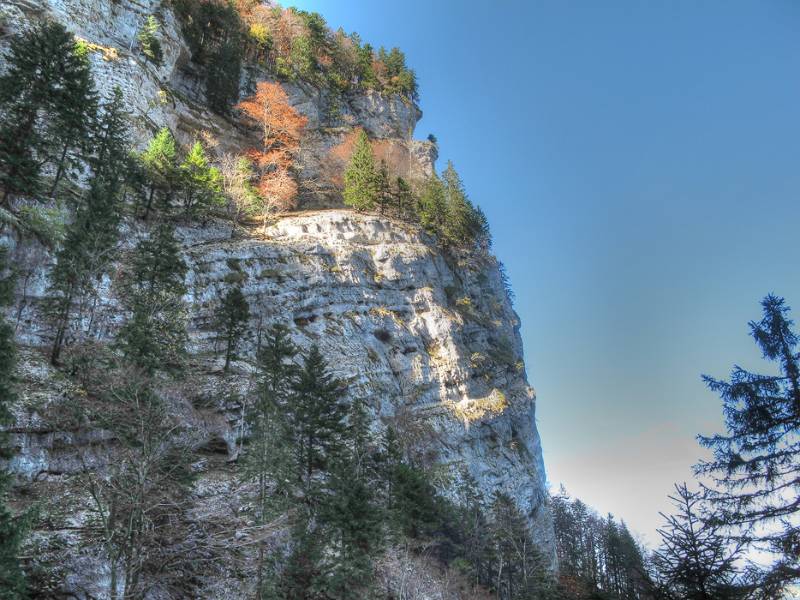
{"x": 405, "y": 198}
{"x": 12, "y": 527}
{"x": 384, "y": 191}
{"x": 520, "y": 569}
{"x": 46, "y": 76}
{"x": 756, "y": 466}
{"x": 152, "y": 290}
{"x": 93, "y": 233}
{"x": 160, "y": 164}
{"x": 432, "y": 206}
{"x": 269, "y": 456}
{"x": 232, "y": 317}
{"x": 351, "y": 512}
{"x": 316, "y": 419}
{"x": 151, "y": 46}
{"x": 70, "y": 127}
{"x": 695, "y": 561}
{"x": 201, "y": 183}
{"x": 361, "y": 181}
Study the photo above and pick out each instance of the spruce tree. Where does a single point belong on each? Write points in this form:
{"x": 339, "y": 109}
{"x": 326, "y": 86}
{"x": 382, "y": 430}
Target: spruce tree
{"x": 269, "y": 457}
{"x": 231, "y": 320}
{"x": 521, "y": 571}
{"x": 458, "y": 209}
{"x": 152, "y": 290}
{"x": 149, "y": 42}
{"x": 432, "y": 206}
{"x": 201, "y": 183}
{"x": 45, "y": 96}
{"x": 93, "y": 233}
{"x": 351, "y": 512}
{"x": 160, "y": 164}
{"x": 71, "y": 124}
{"x": 756, "y": 465}
{"x": 12, "y": 579}
{"x": 384, "y": 191}
{"x": 695, "y": 560}
{"x": 361, "y": 178}
{"x": 316, "y": 419}
{"x": 404, "y": 196}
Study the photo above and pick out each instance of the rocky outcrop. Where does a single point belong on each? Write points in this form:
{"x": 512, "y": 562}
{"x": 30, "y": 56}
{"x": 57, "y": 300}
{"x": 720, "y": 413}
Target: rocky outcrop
{"x": 423, "y": 336}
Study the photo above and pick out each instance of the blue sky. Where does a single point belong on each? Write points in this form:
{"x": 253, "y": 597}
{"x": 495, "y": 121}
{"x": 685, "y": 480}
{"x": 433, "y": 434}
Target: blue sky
{"x": 638, "y": 162}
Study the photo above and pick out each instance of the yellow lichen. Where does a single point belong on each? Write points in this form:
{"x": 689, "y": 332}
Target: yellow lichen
{"x": 473, "y": 409}
{"x": 109, "y": 52}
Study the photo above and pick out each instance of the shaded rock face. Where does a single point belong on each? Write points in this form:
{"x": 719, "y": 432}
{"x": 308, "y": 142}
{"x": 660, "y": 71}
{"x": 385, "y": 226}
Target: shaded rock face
{"x": 423, "y": 337}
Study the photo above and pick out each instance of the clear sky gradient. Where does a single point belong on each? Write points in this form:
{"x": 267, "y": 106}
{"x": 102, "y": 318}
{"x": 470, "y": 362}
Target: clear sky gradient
{"x": 638, "y": 162}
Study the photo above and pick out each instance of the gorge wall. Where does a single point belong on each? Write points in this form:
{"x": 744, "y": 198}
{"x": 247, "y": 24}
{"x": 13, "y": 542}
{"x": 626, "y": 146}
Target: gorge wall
{"x": 419, "y": 334}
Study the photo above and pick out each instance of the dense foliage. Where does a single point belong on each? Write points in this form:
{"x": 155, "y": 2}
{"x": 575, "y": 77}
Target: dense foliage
{"x": 12, "y": 527}
{"x": 598, "y": 556}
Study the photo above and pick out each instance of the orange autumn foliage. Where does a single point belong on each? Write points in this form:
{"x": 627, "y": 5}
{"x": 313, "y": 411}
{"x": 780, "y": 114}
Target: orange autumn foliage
{"x": 281, "y": 128}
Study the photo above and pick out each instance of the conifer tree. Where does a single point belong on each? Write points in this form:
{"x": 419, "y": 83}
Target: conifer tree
{"x": 432, "y": 206}
{"x": 458, "y": 209}
{"x": 201, "y": 183}
{"x": 316, "y": 419}
{"x": 269, "y": 456}
{"x": 756, "y": 466}
{"x": 361, "y": 178}
{"x": 12, "y": 579}
{"x": 384, "y": 191}
{"x": 520, "y": 569}
{"x": 151, "y": 46}
{"x": 351, "y": 512}
{"x": 160, "y": 164}
{"x": 46, "y": 77}
{"x": 92, "y": 235}
{"x": 405, "y": 199}
{"x": 232, "y": 317}
{"x": 152, "y": 290}
{"x": 70, "y": 127}
{"x": 695, "y": 561}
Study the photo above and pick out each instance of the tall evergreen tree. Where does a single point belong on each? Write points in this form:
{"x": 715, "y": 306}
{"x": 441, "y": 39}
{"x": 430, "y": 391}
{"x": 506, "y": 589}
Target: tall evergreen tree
{"x": 45, "y": 96}
{"x": 432, "y": 206}
{"x": 12, "y": 579}
{"x": 71, "y": 124}
{"x": 160, "y": 164}
{"x": 361, "y": 180}
{"x": 149, "y": 42}
{"x": 152, "y": 290}
{"x": 404, "y": 196}
{"x": 384, "y": 190}
{"x": 520, "y": 569}
{"x": 695, "y": 560}
{"x": 457, "y": 230}
{"x": 352, "y": 514}
{"x": 269, "y": 457}
{"x": 93, "y": 233}
{"x": 231, "y": 320}
{"x": 756, "y": 466}
{"x": 201, "y": 183}
{"x": 316, "y": 419}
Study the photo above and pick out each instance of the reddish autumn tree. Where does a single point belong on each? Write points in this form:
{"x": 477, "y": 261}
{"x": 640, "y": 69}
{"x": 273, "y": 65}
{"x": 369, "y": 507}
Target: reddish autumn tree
{"x": 281, "y": 129}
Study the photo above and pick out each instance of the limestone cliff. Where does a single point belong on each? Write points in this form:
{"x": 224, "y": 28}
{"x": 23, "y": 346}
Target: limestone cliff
{"x": 416, "y": 333}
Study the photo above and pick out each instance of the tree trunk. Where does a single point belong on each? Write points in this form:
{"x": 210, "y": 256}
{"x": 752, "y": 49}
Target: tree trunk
{"x": 59, "y": 171}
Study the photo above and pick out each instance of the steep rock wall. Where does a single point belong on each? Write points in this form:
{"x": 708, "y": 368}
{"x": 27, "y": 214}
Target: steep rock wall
{"x": 413, "y": 332}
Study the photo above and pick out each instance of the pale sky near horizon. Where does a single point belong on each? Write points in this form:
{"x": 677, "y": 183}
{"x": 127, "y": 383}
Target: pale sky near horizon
{"x": 638, "y": 162}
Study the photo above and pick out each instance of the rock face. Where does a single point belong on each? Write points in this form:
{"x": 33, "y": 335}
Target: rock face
{"x": 423, "y": 336}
